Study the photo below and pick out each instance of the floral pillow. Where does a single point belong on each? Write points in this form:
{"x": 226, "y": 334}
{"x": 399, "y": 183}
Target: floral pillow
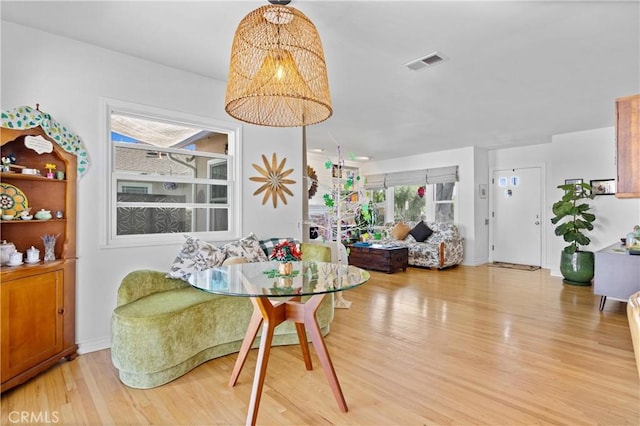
{"x": 247, "y": 247}
{"x": 194, "y": 256}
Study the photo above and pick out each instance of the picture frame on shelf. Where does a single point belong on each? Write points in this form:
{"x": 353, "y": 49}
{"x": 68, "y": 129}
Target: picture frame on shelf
{"x": 603, "y": 186}
{"x": 576, "y": 182}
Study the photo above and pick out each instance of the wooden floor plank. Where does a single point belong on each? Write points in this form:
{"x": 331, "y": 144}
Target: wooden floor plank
{"x": 467, "y": 345}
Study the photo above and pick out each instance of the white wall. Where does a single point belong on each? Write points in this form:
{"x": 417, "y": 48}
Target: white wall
{"x": 481, "y": 207}
{"x": 264, "y": 220}
{"x": 589, "y": 155}
{"x": 67, "y": 78}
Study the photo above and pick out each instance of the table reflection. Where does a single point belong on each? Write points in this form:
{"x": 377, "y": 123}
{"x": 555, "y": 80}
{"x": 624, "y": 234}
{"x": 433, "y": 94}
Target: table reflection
{"x": 263, "y": 279}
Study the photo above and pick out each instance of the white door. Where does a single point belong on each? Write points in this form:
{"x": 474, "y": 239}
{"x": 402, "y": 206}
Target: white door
{"x": 517, "y": 227}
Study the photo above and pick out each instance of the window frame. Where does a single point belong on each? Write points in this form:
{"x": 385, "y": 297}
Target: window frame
{"x": 430, "y": 207}
{"x": 234, "y": 178}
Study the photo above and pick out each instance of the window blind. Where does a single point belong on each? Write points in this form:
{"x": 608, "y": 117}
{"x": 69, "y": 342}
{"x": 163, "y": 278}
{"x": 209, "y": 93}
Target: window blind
{"x": 442, "y": 175}
{"x": 374, "y": 182}
{"x": 410, "y": 177}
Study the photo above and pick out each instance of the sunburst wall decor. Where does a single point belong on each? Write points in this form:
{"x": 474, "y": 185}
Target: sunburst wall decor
{"x": 312, "y": 181}
{"x": 273, "y": 179}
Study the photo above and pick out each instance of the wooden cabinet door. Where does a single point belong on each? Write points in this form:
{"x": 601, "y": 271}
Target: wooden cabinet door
{"x": 32, "y": 319}
{"x": 628, "y": 143}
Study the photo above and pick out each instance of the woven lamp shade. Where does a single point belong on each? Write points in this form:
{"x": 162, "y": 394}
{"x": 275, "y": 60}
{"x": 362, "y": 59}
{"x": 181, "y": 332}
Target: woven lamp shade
{"x": 277, "y": 74}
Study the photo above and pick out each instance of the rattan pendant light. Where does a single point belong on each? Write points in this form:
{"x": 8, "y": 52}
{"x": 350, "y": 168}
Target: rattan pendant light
{"x": 277, "y": 74}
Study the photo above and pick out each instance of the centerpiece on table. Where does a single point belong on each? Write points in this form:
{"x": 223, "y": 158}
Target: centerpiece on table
{"x": 285, "y": 253}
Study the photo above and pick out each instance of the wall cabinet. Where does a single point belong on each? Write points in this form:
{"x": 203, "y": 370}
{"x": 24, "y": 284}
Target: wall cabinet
{"x": 38, "y": 300}
{"x": 628, "y": 146}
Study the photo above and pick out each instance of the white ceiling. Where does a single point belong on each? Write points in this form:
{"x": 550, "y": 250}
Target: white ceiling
{"x": 517, "y": 72}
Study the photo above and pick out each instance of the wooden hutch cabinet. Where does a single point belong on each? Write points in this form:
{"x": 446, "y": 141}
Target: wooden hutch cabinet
{"x": 38, "y": 300}
{"x": 628, "y": 146}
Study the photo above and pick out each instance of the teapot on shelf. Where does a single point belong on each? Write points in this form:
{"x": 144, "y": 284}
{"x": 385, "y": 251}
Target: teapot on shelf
{"x": 5, "y": 251}
{"x": 43, "y": 214}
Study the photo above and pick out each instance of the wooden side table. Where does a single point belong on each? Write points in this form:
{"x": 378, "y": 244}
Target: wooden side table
{"x": 379, "y": 257}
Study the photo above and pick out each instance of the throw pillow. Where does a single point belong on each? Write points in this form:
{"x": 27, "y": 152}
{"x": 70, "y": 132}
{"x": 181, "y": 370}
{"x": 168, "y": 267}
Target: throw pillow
{"x": 195, "y": 256}
{"x": 400, "y": 231}
{"x": 421, "y": 232}
{"x": 247, "y": 247}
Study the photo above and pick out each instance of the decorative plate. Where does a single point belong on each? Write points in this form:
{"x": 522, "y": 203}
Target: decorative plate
{"x": 12, "y": 200}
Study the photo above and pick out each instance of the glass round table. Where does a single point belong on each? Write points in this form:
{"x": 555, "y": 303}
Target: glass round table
{"x": 277, "y": 298}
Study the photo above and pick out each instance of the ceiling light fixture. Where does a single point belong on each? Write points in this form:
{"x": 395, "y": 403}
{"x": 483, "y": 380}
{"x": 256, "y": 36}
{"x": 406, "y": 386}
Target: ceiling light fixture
{"x": 277, "y": 74}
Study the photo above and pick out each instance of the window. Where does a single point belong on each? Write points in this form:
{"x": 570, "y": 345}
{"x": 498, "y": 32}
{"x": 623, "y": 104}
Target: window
{"x": 437, "y": 203}
{"x": 444, "y": 196}
{"x": 170, "y": 174}
{"x": 378, "y": 197}
{"x": 407, "y": 202}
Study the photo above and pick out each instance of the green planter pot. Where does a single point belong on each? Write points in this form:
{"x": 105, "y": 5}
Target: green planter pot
{"x": 577, "y": 268}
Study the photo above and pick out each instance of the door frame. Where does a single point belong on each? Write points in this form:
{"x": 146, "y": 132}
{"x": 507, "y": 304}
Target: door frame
{"x": 544, "y": 209}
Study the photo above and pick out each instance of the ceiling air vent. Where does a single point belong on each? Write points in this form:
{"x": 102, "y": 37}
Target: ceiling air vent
{"x": 426, "y": 61}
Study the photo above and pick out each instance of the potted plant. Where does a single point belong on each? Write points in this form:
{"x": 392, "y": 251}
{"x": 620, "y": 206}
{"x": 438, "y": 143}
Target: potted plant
{"x": 285, "y": 253}
{"x": 573, "y": 217}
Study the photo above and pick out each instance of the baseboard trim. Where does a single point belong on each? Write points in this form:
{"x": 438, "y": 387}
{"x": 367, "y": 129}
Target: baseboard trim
{"x": 94, "y": 345}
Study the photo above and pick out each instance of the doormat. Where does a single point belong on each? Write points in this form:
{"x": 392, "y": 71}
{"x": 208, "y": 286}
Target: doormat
{"x": 514, "y": 266}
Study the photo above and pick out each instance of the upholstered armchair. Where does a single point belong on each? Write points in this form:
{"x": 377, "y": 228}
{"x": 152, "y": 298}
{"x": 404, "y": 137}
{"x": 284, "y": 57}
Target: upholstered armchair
{"x": 317, "y": 252}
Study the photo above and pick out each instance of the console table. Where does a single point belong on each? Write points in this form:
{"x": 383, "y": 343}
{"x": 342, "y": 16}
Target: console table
{"x": 617, "y": 273}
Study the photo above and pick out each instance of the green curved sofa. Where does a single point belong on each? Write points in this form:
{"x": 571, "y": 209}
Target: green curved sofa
{"x": 162, "y": 327}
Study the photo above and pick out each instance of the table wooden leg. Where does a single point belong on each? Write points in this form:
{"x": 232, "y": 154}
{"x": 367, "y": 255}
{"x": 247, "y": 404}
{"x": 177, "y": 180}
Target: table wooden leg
{"x": 313, "y": 329}
{"x": 294, "y": 312}
{"x": 249, "y": 337}
{"x": 261, "y": 370}
{"x": 270, "y": 316}
{"x": 304, "y": 345}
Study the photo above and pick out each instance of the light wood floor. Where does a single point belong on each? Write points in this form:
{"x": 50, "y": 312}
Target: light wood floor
{"x": 469, "y": 345}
